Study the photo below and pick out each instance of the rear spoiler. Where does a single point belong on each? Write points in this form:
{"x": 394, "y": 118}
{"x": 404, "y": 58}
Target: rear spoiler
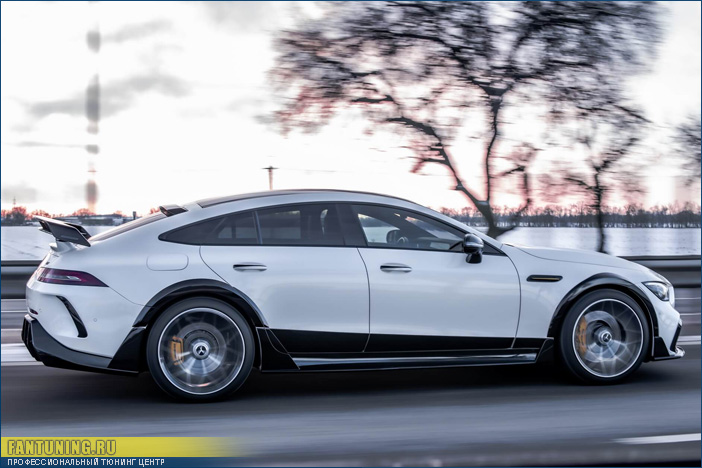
{"x": 63, "y": 231}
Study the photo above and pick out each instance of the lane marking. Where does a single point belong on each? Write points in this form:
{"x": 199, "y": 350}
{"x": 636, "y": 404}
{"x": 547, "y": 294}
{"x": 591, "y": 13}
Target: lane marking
{"x": 690, "y": 339}
{"x": 15, "y": 353}
{"x": 688, "y": 298}
{"x": 691, "y": 313}
{"x": 20, "y": 363}
{"x": 664, "y": 439}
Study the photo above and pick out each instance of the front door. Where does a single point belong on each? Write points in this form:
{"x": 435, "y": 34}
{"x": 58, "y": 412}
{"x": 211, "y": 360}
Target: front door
{"x": 423, "y": 293}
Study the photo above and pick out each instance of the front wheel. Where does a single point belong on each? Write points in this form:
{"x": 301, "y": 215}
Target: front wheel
{"x": 604, "y": 337}
{"x": 200, "y": 349}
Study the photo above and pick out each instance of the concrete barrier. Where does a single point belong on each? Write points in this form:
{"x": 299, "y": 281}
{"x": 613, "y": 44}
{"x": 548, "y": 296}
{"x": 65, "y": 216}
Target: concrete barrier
{"x": 682, "y": 271}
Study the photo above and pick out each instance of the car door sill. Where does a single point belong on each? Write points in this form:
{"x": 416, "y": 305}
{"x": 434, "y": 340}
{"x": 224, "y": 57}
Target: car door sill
{"x": 274, "y": 357}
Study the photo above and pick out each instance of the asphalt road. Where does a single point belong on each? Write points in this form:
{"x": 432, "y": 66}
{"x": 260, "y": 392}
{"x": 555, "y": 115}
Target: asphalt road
{"x": 509, "y": 415}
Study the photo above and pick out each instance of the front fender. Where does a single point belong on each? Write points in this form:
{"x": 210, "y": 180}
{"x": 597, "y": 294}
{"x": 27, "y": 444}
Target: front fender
{"x": 604, "y": 281}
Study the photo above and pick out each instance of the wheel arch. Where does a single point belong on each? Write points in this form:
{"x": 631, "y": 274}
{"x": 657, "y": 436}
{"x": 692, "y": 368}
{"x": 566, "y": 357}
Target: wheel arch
{"x": 604, "y": 281}
{"x": 201, "y": 288}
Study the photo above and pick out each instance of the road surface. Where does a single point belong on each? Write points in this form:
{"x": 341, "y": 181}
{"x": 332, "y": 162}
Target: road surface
{"x": 510, "y": 415}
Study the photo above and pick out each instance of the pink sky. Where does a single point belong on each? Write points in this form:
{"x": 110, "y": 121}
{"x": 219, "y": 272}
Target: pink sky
{"x": 184, "y": 84}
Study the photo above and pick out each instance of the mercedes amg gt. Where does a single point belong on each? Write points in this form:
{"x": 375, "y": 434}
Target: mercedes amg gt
{"x": 326, "y": 280}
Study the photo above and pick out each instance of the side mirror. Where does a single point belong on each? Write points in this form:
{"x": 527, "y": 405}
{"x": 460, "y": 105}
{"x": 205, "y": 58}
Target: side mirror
{"x": 473, "y": 247}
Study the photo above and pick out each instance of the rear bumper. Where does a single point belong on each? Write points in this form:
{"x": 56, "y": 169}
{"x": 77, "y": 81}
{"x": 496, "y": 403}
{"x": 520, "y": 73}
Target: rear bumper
{"x": 91, "y": 320}
{"x": 51, "y": 353}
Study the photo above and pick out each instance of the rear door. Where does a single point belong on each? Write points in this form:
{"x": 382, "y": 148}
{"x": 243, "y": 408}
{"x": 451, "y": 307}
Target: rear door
{"x": 293, "y": 263}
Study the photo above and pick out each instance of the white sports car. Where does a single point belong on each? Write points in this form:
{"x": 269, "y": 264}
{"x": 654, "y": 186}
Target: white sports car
{"x": 325, "y": 280}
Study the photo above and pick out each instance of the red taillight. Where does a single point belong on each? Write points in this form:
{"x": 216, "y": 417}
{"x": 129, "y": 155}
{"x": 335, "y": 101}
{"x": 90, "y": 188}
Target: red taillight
{"x": 77, "y": 278}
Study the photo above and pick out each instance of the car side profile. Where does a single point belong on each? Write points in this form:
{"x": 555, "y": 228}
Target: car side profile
{"x": 327, "y": 280}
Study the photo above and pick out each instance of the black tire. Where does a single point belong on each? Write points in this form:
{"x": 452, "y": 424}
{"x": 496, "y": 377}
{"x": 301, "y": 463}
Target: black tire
{"x": 600, "y": 326}
{"x": 200, "y": 349}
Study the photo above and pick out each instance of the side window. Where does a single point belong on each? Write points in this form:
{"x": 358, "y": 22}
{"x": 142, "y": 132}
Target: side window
{"x": 234, "y": 229}
{"x": 237, "y": 229}
{"x": 313, "y": 224}
{"x": 399, "y": 229}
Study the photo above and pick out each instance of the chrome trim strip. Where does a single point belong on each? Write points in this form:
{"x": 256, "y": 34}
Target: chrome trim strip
{"x": 413, "y": 361}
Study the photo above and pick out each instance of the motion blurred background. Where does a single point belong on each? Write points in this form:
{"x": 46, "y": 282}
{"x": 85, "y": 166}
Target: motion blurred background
{"x": 564, "y": 124}
{"x": 536, "y": 115}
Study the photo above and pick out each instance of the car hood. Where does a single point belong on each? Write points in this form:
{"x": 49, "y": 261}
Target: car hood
{"x": 580, "y": 256}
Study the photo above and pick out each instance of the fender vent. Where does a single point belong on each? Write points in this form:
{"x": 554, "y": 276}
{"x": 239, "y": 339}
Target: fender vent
{"x": 82, "y": 332}
{"x": 544, "y": 278}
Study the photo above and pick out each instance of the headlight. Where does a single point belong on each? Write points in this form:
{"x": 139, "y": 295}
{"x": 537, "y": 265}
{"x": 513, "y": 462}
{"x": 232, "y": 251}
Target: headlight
{"x": 663, "y": 291}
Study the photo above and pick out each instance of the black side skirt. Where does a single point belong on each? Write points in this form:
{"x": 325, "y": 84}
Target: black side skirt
{"x": 276, "y": 358}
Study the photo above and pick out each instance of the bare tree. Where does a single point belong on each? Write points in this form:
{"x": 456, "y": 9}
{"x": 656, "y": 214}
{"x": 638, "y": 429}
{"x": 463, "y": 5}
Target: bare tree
{"x": 423, "y": 67}
{"x": 687, "y": 137}
{"x": 608, "y": 133}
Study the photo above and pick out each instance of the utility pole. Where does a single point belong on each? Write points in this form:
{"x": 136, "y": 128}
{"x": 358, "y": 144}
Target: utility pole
{"x": 270, "y": 170}
{"x": 92, "y": 107}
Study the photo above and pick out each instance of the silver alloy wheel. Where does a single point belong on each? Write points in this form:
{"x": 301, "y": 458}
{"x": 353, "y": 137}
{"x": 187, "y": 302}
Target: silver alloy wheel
{"x": 608, "y": 338}
{"x": 201, "y": 350}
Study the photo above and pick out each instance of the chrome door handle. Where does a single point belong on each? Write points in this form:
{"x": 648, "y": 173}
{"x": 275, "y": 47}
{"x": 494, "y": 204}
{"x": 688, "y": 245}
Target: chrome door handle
{"x": 249, "y": 266}
{"x": 396, "y": 267}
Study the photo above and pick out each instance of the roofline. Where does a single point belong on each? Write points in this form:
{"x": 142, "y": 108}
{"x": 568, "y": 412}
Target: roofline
{"x": 208, "y": 202}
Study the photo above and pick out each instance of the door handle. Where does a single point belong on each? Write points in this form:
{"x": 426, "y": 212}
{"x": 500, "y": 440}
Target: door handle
{"x": 249, "y": 266}
{"x": 396, "y": 267}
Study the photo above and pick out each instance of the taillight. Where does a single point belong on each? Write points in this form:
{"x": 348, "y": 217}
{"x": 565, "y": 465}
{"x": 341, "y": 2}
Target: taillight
{"x": 77, "y": 278}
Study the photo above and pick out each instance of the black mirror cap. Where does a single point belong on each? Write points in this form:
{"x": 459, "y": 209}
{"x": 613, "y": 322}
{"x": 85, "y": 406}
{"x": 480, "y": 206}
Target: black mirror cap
{"x": 472, "y": 244}
{"x": 473, "y": 247}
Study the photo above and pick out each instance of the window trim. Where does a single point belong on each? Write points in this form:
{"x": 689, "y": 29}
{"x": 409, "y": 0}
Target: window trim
{"x": 346, "y": 216}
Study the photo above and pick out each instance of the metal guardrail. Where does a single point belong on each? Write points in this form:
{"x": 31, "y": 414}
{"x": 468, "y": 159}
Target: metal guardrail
{"x": 682, "y": 271}
{"x": 14, "y": 275}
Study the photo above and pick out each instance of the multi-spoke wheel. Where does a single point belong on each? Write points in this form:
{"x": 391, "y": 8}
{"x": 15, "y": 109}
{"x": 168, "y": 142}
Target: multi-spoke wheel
{"x": 604, "y": 337}
{"x": 200, "y": 349}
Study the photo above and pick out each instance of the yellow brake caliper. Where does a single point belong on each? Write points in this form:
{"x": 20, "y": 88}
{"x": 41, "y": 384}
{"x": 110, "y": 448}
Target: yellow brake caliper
{"x": 581, "y": 338}
{"x": 176, "y": 350}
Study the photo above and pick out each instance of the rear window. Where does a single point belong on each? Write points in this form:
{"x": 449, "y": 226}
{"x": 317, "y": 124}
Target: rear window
{"x": 234, "y": 229}
{"x": 126, "y": 227}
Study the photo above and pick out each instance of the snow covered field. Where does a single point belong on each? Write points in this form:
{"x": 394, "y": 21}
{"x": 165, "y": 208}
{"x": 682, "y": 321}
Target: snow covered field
{"x": 28, "y": 243}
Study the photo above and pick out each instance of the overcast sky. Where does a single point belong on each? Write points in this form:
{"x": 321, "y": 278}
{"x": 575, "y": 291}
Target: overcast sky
{"x": 183, "y": 87}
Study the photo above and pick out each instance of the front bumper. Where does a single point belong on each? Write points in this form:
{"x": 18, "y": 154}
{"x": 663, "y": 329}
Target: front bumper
{"x": 661, "y": 352}
{"x": 51, "y": 353}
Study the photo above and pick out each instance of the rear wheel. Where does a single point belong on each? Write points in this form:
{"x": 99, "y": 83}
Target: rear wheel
{"x": 604, "y": 337}
{"x": 200, "y": 349}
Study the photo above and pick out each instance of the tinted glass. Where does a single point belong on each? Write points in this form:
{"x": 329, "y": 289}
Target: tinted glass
{"x": 399, "y": 229}
{"x": 235, "y": 229}
{"x": 316, "y": 224}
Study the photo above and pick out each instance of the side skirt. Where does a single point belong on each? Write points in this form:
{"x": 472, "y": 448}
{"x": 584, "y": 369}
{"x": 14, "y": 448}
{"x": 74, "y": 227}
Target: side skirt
{"x": 275, "y": 358}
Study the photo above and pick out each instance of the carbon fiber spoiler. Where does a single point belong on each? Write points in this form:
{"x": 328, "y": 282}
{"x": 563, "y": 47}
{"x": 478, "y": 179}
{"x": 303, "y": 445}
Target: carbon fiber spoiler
{"x": 63, "y": 231}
